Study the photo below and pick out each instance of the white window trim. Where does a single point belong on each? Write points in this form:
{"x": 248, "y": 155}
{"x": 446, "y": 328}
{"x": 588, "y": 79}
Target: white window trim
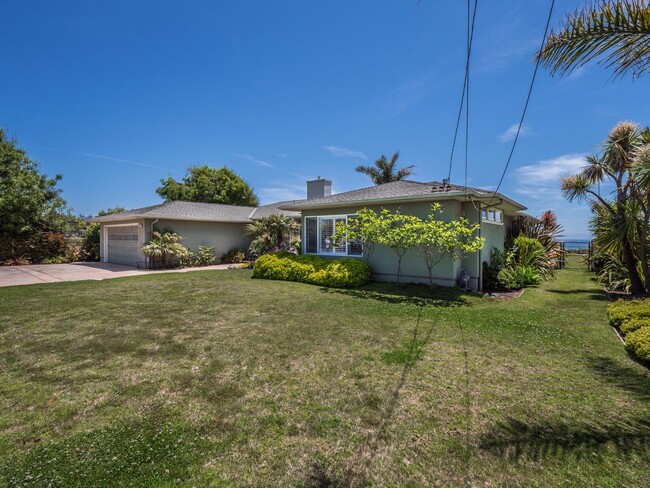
{"x": 318, "y": 236}
{"x": 492, "y": 221}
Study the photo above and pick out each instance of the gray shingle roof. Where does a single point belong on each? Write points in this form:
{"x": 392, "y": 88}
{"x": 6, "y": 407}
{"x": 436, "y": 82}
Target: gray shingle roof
{"x": 274, "y": 208}
{"x": 210, "y": 212}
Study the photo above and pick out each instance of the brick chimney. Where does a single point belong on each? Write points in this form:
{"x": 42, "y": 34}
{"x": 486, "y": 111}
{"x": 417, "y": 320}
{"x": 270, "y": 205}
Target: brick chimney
{"x": 319, "y": 188}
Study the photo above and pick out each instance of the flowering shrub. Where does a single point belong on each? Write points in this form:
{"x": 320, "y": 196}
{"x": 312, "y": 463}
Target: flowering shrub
{"x": 337, "y": 273}
{"x": 632, "y": 318}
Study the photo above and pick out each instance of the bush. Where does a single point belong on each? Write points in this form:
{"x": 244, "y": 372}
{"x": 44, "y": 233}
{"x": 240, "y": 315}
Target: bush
{"x": 491, "y": 270}
{"x": 337, "y": 273}
{"x": 638, "y": 343}
{"x": 509, "y": 279}
{"x": 634, "y": 324}
{"x": 56, "y": 260}
{"x": 234, "y": 256}
{"x": 622, "y": 311}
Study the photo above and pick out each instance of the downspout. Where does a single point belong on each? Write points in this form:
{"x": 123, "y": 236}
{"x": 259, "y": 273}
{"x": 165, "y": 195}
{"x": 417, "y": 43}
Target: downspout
{"x": 151, "y": 260}
{"x": 480, "y": 251}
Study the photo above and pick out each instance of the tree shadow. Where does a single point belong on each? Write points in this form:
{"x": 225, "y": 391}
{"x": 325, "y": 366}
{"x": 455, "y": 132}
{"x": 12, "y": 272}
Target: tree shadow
{"x": 586, "y": 293}
{"x": 635, "y": 382}
{"x": 515, "y": 439}
{"x": 410, "y": 294}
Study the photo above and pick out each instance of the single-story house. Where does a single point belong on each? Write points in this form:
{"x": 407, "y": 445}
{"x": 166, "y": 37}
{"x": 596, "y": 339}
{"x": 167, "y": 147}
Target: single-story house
{"x": 320, "y": 216}
{"x": 122, "y": 235}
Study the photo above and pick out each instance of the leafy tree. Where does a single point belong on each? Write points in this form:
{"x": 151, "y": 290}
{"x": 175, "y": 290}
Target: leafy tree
{"x": 363, "y": 228}
{"x": 31, "y": 207}
{"x": 90, "y": 242}
{"x": 384, "y": 171}
{"x": 438, "y": 239}
{"x": 166, "y": 246}
{"x": 273, "y": 233}
{"x": 618, "y": 32}
{"x": 620, "y": 224}
{"x": 209, "y": 185}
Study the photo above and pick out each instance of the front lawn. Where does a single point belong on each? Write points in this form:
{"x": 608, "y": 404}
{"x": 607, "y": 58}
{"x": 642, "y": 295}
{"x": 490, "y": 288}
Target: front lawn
{"x": 213, "y": 378}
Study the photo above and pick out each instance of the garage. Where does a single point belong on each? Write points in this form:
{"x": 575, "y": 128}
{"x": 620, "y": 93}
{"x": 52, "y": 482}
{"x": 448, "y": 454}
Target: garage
{"x": 123, "y": 245}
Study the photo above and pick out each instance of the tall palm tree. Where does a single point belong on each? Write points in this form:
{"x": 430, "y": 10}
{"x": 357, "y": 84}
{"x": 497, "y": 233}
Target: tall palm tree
{"x": 618, "y": 32}
{"x": 384, "y": 171}
{"x": 621, "y": 223}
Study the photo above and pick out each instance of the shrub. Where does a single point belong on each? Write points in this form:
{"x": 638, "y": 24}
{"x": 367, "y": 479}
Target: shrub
{"x": 491, "y": 270}
{"x": 165, "y": 246}
{"x": 234, "y": 256}
{"x": 622, "y": 311}
{"x": 638, "y": 343}
{"x": 56, "y": 260}
{"x": 205, "y": 256}
{"x": 337, "y": 273}
{"x": 508, "y": 279}
{"x": 634, "y": 324}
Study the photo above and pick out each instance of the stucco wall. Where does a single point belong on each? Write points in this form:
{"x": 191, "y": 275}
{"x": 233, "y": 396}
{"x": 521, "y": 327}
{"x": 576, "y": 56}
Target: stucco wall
{"x": 384, "y": 261}
{"x": 223, "y": 236}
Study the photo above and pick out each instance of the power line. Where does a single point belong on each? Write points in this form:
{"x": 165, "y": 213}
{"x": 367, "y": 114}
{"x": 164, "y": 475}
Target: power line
{"x": 523, "y": 113}
{"x": 470, "y": 38}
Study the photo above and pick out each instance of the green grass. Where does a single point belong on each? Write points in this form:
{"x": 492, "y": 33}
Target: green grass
{"x": 215, "y": 379}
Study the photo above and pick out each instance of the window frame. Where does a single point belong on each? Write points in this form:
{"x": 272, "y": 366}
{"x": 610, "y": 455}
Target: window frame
{"x": 334, "y": 252}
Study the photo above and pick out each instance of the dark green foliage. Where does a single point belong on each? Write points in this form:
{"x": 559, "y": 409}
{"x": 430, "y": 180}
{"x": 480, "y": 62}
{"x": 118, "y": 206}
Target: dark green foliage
{"x": 491, "y": 270}
{"x": 90, "y": 243}
{"x": 638, "y": 342}
{"x": 31, "y": 208}
{"x": 336, "y": 273}
{"x": 234, "y": 256}
{"x": 384, "y": 171}
{"x": 272, "y": 234}
{"x": 209, "y": 185}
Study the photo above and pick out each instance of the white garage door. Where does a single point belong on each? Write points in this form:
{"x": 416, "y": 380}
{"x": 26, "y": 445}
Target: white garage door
{"x": 123, "y": 245}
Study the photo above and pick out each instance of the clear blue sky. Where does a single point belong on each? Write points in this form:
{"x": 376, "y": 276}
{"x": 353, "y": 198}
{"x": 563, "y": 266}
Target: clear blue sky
{"x": 117, "y": 95}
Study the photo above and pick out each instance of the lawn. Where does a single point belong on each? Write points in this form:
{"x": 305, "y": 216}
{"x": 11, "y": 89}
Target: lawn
{"x": 215, "y": 379}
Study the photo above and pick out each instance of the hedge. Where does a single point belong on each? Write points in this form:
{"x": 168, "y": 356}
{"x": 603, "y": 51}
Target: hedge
{"x": 623, "y": 310}
{"x": 638, "y": 343}
{"x": 336, "y": 273}
{"x": 632, "y": 318}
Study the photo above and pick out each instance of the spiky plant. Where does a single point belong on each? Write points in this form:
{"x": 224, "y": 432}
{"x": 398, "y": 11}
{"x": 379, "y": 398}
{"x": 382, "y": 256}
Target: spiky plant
{"x": 616, "y": 32}
{"x": 384, "y": 170}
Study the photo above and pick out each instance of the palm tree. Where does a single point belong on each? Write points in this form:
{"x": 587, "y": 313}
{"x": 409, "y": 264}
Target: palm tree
{"x": 621, "y": 224}
{"x": 273, "y": 233}
{"x": 384, "y": 171}
{"x": 618, "y": 31}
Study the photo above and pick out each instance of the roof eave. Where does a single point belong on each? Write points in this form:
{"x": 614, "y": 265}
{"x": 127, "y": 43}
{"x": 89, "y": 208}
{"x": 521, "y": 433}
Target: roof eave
{"x": 450, "y": 195}
{"x": 116, "y": 218}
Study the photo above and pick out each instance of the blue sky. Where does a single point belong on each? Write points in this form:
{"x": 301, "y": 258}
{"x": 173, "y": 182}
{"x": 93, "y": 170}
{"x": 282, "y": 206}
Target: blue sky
{"x": 117, "y": 95}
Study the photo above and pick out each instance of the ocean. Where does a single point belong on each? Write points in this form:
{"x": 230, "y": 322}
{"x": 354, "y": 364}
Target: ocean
{"x": 576, "y": 244}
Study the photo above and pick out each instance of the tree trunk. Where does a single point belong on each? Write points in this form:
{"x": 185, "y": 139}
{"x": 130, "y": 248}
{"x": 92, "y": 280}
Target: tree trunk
{"x": 630, "y": 264}
{"x": 642, "y": 252}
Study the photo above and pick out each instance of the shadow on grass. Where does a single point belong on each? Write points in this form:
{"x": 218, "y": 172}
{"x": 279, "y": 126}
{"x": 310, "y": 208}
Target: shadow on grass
{"x": 583, "y": 293}
{"x": 514, "y": 439}
{"x": 420, "y": 295}
{"x": 361, "y": 464}
{"x": 624, "y": 377}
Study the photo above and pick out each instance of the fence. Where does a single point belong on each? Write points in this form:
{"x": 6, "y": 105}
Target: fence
{"x": 583, "y": 248}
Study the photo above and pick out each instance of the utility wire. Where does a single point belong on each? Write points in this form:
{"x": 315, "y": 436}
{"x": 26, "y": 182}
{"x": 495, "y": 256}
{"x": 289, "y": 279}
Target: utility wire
{"x": 523, "y": 113}
{"x": 470, "y": 34}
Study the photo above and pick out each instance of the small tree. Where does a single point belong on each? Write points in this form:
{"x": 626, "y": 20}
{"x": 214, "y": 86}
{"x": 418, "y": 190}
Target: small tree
{"x": 363, "y": 229}
{"x": 438, "y": 239}
{"x": 165, "y": 246}
{"x": 90, "y": 242}
{"x": 399, "y": 232}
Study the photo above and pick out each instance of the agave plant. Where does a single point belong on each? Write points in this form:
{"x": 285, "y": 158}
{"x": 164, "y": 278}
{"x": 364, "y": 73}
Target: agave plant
{"x": 166, "y": 246}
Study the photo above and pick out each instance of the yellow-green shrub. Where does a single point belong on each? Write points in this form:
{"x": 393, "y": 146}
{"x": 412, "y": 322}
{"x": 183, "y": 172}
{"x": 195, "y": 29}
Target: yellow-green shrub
{"x": 624, "y": 310}
{"x": 337, "y": 273}
{"x": 638, "y": 342}
{"x": 631, "y": 325}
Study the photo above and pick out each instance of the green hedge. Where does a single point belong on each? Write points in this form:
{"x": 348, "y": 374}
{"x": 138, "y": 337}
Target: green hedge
{"x": 632, "y": 318}
{"x": 624, "y": 310}
{"x": 337, "y": 273}
{"x": 638, "y": 342}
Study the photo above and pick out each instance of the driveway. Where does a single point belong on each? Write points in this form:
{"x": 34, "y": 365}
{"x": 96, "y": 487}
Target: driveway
{"x": 56, "y": 273}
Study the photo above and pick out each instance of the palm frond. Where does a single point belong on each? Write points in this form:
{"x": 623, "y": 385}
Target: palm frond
{"x": 619, "y": 33}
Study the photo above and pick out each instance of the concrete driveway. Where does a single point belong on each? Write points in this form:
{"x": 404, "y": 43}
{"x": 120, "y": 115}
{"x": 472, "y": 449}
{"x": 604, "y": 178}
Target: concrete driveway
{"x": 56, "y": 273}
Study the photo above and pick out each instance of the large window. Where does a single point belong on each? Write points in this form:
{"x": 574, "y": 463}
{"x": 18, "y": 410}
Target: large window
{"x": 318, "y": 237}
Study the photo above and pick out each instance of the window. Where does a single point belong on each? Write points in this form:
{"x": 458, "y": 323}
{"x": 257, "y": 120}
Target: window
{"x": 318, "y": 237}
{"x": 492, "y": 215}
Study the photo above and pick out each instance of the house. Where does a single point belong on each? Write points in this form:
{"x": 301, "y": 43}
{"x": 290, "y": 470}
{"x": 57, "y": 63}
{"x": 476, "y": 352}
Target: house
{"x": 320, "y": 216}
{"x": 122, "y": 235}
